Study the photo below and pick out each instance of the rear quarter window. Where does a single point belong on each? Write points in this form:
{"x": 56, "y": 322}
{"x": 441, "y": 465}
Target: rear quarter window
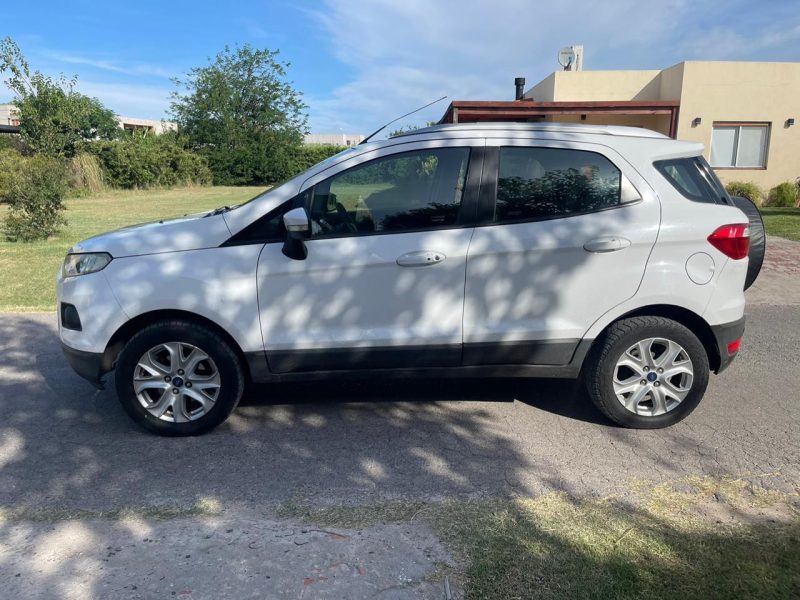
{"x": 691, "y": 177}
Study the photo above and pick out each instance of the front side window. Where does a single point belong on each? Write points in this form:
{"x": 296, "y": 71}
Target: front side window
{"x": 544, "y": 183}
{"x": 742, "y": 146}
{"x": 404, "y": 192}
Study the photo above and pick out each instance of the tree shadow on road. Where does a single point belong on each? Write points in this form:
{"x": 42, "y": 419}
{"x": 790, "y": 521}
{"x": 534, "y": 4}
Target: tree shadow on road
{"x": 65, "y": 447}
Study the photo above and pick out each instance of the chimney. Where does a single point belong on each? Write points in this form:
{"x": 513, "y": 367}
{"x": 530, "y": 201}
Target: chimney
{"x": 519, "y": 82}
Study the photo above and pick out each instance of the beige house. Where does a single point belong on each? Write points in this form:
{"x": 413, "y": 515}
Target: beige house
{"x": 9, "y": 117}
{"x": 743, "y": 112}
{"x": 146, "y": 125}
{"x": 333, "y": 139}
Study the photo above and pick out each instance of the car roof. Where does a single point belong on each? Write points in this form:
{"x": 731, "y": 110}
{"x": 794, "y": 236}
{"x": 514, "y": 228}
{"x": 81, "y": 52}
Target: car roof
{"x": 483, "y": 128}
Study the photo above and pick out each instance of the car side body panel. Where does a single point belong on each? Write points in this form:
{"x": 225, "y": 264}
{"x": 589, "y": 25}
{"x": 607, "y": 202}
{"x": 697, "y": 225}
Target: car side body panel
{"x": 536, "y": 281}
{"x": 216, "y": 283}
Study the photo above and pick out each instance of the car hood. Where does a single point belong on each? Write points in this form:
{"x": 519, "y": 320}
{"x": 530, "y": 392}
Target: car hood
{"x": 191, "y": 232}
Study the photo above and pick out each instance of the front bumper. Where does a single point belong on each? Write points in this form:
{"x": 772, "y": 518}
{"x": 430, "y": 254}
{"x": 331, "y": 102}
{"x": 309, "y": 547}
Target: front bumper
{"x": 725, "y": 334}
{"x": 88, "y": 365}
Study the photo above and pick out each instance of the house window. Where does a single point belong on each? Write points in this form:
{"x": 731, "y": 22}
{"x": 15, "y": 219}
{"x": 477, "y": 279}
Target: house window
{"x": 739, "y": 145}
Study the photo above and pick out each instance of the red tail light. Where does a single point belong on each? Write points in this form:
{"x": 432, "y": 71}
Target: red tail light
{"x": 732, "y": 240}
{"x": 733, "y": 347}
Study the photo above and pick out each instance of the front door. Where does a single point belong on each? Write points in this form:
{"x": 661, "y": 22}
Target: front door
{"x": 383, "y": 281}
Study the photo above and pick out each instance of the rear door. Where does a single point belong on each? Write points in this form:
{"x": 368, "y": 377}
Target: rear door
{"x": 566, "y": 234}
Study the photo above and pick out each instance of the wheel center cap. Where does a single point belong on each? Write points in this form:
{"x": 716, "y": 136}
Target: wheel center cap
{"x": 177, "y": 381}
{"x": 651, "y": 377}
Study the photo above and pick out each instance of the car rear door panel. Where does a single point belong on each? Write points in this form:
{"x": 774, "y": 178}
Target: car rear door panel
{"x": 534, "y": 288}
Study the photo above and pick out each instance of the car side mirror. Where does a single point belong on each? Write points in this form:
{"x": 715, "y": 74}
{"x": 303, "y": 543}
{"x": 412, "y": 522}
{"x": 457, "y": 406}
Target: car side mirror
{"x": 298, "y": 229}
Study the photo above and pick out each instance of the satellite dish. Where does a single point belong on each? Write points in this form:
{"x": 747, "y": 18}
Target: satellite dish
{"x": 566, "y": 57}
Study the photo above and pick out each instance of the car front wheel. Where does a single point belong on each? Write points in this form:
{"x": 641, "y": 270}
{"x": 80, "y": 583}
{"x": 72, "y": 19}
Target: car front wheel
{"x": 647, "y": 372}
{"x": 178, "y": 378}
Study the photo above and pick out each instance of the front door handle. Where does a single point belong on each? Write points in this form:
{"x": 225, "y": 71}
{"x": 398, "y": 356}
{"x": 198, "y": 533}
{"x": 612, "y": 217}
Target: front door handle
{"x": 610, "y": 243}
{"x": 421, "y": 258}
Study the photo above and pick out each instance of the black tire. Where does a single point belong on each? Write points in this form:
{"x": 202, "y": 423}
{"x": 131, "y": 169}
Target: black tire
{"x": 600, "y": 365}
{"x": 758, "y": 238}
{"x": 228, "y": 364}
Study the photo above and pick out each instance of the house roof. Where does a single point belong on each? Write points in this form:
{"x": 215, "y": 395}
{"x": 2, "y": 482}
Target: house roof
{"x": 516, "y": 110}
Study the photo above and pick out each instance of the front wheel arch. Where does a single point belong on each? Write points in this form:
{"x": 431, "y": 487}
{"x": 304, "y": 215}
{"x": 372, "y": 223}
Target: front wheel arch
{"x": 139, "y": 322}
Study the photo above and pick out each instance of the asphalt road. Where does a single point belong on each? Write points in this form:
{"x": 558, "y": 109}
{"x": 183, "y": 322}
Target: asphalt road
{"x": 66, "y": 446}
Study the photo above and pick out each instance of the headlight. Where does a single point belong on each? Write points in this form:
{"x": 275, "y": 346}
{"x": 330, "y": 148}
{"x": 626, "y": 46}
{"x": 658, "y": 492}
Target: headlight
{"x": 83, "y": 264}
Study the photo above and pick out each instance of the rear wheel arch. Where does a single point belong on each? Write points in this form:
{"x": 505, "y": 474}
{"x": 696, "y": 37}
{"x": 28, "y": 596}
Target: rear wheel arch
{"x": 689, "y": 319}
{"x": 139, "y": 322}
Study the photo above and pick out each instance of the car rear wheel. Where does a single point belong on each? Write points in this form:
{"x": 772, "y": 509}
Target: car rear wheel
{"x": 178, "y": 378}
{"x": 647, "y": 372}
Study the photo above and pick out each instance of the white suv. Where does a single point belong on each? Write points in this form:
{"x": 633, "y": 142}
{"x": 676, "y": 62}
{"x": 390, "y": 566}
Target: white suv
{"x": 535, "y": 250}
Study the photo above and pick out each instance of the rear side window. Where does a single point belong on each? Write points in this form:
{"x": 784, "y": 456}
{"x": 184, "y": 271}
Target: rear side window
{"x": 692, "y": 178}
{"x": 547, "y": 183}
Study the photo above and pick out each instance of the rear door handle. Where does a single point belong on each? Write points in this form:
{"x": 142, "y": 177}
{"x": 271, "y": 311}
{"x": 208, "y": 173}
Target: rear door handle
{"x": 610, "y": 243}
{"x": 421, "y": 258}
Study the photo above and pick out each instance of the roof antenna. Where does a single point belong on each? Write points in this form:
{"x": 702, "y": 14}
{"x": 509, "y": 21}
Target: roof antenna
{"x": 377, "y": 131}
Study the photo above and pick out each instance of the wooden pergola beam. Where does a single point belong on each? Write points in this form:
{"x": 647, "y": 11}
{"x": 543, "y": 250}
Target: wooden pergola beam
{"x": 461, "y": 111}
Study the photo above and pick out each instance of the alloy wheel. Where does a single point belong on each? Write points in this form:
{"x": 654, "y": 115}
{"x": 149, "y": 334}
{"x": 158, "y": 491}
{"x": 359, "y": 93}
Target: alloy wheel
{"x": 176, "y": 382}
{"x": 653, "y": 376}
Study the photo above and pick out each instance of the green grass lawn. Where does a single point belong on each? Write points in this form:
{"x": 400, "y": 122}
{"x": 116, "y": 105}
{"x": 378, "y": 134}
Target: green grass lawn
{"x": 696, "y": 538}
{"x": 783, "y": 222}
{"x": 27, "y": 270}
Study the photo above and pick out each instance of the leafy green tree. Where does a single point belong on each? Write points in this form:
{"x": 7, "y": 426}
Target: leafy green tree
{"x": 54, "y": 117}
{"x": 241, "y": 113}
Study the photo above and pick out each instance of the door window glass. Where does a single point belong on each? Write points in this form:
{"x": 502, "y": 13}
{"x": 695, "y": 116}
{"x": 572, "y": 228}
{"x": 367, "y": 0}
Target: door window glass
{"x": 403, "y": 192}
{"x": 543, "y": 183}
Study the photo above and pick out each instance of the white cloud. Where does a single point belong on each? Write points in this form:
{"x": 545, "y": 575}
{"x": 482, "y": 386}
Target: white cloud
{"x": 722, "y": 43}
{"x": 130, "y": 100}
{"x": 405, "y": 54}
{"x": 105, "y": 65}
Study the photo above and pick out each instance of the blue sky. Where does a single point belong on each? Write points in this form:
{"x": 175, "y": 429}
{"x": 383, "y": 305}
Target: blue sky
{"x": 360, "y": 63}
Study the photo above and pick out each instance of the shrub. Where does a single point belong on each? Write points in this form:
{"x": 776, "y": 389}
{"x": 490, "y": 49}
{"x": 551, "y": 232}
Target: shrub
{"x": 149, "y": 161}
{"x": 783, "y": 195}
{"x": 36, "y": 196}
{"x": 85, "y": 173}
{"x": 747, "y": 189}
{"x": 13, "y": 142}
{"x": 305, "y": 156}
{"x": 11, "y": 163}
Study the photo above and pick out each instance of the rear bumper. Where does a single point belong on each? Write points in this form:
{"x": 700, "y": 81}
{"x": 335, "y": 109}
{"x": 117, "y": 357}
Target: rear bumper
{"x": 725, "y": 334}
{"x": 88, "y": 365}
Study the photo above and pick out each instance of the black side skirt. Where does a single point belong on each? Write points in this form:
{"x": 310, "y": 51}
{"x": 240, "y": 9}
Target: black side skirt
{"x": 552, "y": 358}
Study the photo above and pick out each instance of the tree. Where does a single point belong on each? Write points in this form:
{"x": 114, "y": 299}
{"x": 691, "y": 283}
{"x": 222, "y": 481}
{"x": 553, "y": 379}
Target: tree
{"x": 241, "y": 113}
{"x": 54, "y": 117}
